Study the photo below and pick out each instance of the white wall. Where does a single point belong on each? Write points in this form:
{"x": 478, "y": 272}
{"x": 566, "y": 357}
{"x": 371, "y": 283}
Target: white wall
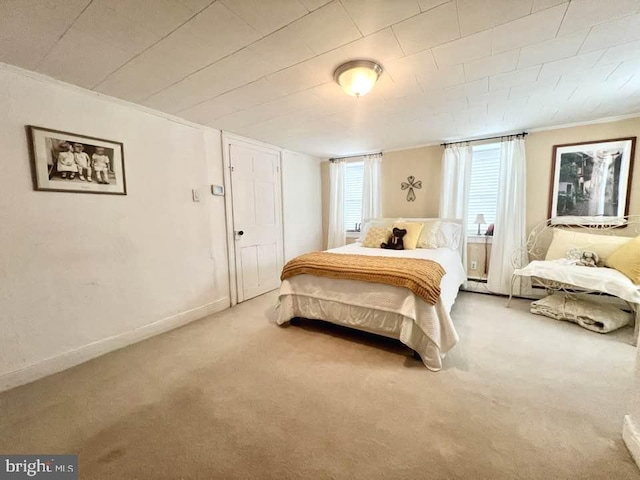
{"x": 82, "y": 274}
{"x": 631, "y": 424}
{"x": 302, "y": 204}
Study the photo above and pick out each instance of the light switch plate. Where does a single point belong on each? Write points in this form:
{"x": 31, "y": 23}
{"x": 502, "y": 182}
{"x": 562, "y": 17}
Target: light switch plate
{"x": 217, "y": 190}
{"x": 195, "y": 194}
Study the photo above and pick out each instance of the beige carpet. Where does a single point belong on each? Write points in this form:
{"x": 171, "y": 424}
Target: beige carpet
{"x": 236, "y": 397}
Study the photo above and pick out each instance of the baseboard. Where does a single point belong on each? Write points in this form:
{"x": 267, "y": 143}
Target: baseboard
{"x": 631, "y": 438}
{"x": 75, "y": 357}
{"x": 476, "y": 285}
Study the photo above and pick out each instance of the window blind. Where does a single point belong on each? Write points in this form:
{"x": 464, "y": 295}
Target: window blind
{"x": 353, "y": 195}
{"x": 483, "y": 192}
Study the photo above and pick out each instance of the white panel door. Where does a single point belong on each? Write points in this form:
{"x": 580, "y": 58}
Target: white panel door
{"x": 257, "y": 219}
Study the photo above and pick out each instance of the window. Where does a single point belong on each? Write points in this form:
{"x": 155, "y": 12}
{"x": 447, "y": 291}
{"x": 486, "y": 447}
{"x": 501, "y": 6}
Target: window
{"x": 483, "y": 193}
{"x": 353, "y": 195}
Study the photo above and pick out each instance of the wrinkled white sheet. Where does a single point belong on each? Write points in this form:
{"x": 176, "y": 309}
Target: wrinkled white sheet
{"x": 602, "y": 279}
{"x": 384, "y": 309}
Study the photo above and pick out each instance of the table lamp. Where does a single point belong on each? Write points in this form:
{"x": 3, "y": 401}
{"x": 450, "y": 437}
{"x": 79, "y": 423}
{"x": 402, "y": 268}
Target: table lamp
{"x": 480, "y": 221}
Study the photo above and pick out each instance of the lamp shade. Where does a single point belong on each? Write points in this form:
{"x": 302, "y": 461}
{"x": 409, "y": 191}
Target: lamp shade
{"x": 480, "y": 219}
{"x": 358, "y": 77}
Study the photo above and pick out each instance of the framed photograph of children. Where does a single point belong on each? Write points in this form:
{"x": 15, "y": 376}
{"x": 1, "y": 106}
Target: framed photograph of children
{"x": 591, "y": 182}
{"x": 69, "y": 162}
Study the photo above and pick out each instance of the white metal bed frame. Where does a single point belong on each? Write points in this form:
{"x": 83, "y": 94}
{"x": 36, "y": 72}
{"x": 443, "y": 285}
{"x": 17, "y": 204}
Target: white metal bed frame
{"x": 538, "y": 243}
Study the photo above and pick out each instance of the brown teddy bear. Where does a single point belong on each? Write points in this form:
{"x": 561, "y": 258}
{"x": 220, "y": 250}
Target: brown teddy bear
{"x": 395, "y": 241}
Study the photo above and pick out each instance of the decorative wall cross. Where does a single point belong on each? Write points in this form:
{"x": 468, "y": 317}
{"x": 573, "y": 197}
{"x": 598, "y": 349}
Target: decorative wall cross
{"x": 411, "y": 183}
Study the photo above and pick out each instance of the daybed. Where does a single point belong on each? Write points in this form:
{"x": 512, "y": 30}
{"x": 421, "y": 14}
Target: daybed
{"x": 386, "y": 310}
{"x": 561, "y": 275}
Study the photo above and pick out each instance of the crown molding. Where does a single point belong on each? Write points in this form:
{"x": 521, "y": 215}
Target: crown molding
{"x": 300, "y": 154}
{"x": 617, "y": 118}
{"x": 135, "y": 106}
{"x": 422, "y": 145}
{"x": 230, "y": 137}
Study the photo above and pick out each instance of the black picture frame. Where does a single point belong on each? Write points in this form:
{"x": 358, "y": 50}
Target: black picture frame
{"x": 591, "y": 182}
{"x": 76, "y": 163}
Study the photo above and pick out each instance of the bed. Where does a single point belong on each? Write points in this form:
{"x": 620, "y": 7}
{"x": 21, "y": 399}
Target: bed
{"x": 386, "y": 310}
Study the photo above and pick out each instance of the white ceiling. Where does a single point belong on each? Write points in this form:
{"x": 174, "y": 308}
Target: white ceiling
{"x": 263, "y": 68}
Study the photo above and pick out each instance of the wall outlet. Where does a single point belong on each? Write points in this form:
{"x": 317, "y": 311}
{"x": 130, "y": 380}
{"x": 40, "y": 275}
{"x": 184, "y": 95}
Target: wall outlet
{"x": 474, "y": 265}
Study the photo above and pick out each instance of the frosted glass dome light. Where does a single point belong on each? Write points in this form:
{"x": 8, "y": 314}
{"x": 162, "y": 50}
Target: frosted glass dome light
{"x": 357, "y": 77}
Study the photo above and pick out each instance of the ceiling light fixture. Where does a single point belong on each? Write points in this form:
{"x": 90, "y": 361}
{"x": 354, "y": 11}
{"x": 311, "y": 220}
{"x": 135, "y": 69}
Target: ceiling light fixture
{"x": 357, "y": 77}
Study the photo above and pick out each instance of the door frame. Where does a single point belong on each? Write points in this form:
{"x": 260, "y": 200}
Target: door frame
{"x": 229, "y": 139}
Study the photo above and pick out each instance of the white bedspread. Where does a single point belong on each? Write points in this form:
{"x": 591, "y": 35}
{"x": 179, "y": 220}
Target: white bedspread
{"x": 602, "y": 279}
{"x": 385, "y": 309}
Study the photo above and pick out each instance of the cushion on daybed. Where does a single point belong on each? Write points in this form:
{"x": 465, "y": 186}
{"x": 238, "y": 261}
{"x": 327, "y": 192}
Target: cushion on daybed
{"x": 607, "y": 280}
{"x": 564, "y": 240}
{"x": 626, "y": 259}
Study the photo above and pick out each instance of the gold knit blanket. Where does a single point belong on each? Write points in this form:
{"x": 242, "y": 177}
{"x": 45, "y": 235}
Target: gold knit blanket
{"x": 420, "y": 276}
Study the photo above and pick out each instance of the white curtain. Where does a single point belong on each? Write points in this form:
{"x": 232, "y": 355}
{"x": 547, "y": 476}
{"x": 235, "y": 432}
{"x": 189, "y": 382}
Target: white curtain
{"x": 371, "y": 200}
{"x": 336, "y": 236}
{"x": 454, "y": 196}
{"x": 510, "y": 227}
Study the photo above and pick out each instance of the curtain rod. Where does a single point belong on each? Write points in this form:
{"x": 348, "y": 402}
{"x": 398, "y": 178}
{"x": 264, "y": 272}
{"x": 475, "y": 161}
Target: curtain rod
{"x": 522, "y": 134}
{"x": 333, "y": 159}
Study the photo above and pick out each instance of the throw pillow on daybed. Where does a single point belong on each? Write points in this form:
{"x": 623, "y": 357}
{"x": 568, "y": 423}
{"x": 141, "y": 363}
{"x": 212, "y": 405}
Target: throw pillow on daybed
{"x": 626, "y": 259}
{"x": 414, "y": 229}
{"x": 565, "y": 240}
{"x": 375, "y": 236}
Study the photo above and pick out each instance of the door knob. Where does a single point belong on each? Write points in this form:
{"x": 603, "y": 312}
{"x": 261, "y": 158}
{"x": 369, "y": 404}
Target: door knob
{"x": 239, "y": 232}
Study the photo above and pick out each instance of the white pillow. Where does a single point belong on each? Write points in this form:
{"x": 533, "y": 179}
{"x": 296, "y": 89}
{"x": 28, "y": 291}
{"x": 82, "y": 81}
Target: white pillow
{"x": 564, "y": 240}
{"x": 431, "y": 232}
{"x": 449, "y": 234}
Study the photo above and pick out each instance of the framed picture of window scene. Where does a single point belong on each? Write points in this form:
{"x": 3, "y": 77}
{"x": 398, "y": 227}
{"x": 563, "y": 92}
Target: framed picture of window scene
{"x": 69, "y": 162}
{"x": 591, "y": 182}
